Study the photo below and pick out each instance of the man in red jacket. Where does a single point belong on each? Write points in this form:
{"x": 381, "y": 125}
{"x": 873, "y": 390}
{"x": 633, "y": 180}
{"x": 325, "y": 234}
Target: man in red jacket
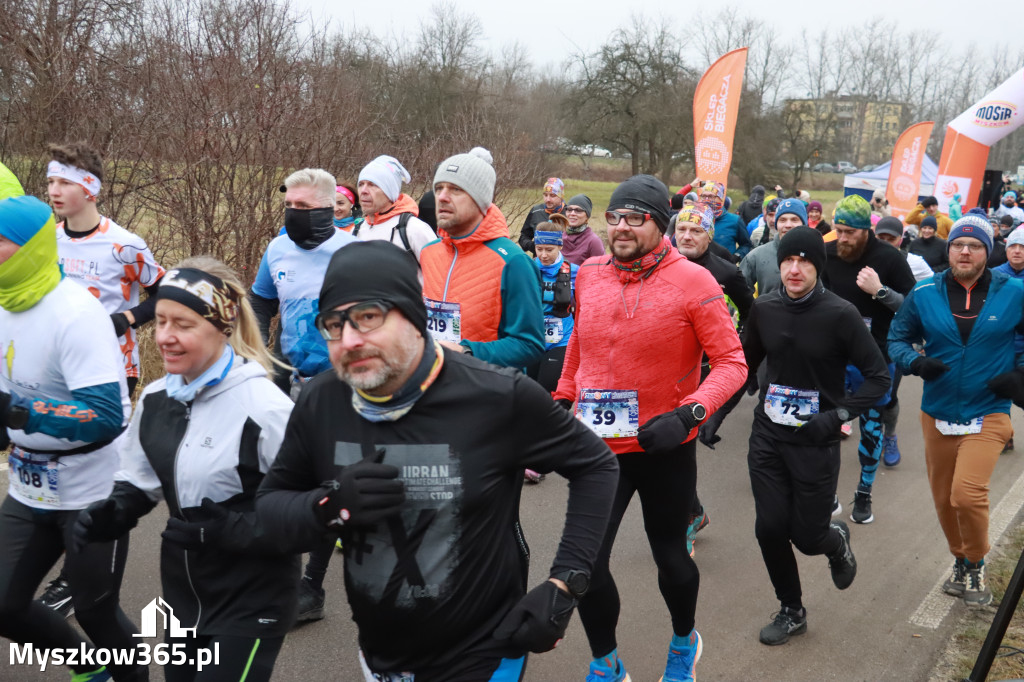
{"x": 619, "y": 375}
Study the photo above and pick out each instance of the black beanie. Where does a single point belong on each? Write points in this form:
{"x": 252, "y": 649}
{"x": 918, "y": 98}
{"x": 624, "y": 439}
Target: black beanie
{"x": 804, "y": 242}
{"x": 645, "y": 194}
{"x": 377, "y": 269}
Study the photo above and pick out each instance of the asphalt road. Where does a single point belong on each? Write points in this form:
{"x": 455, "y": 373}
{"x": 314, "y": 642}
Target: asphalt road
{"x": 890, "y": 624}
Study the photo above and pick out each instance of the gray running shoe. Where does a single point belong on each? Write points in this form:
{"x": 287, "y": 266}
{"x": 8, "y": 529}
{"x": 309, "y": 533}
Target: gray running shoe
{"x": 977, "y": 592}
{"x": 956, "y": 584}
{"x": 785, "y": 623}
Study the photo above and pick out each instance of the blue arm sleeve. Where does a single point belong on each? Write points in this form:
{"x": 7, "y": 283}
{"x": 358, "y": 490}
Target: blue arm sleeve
{"x": 94, "y": 415}
{"x": 264, "y": 284}
{"x": 521, "y": 330}
{"x": 905, "y": 330}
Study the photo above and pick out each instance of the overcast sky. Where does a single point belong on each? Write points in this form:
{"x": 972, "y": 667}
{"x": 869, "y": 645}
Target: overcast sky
{"x": 552, "y": 31}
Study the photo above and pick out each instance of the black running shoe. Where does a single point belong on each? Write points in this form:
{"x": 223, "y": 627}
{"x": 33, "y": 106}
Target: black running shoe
{"x": 785, "y": 623}
{"x": 843, "y": 563}
{"x": 311, "y": 601}
{"x": 57, "y": 596}
{"x": 862, "y": 508}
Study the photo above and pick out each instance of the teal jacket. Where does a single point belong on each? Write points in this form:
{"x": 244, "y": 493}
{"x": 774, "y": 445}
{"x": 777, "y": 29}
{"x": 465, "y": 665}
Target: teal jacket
{"x": 960, "y": 394}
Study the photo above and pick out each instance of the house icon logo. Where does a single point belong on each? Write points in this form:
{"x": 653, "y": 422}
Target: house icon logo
{"x": 157, "y": 609}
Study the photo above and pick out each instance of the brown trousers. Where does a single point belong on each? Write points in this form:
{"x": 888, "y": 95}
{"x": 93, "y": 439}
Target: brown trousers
{"x": 959, "y": 469}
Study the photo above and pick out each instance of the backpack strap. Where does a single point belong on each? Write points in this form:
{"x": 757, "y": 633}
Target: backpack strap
{"x": 402, "y": 227}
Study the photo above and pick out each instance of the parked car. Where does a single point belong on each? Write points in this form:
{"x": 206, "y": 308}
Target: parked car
{"x": 845, "y": 167}
{"x": 869, "y": 167}
{"x": 824, "y": 168}
{"x": 594, "y": 150}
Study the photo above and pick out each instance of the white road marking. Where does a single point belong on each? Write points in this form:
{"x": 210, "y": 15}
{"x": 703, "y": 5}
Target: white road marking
{"x": 936, "y": 606}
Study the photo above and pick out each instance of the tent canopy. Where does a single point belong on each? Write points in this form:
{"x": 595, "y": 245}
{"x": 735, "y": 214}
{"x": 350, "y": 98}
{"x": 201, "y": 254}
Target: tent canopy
{"x": 866, "y": 183}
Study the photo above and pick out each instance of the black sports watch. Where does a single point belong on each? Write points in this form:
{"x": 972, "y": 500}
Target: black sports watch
{"x": 881, "y": 293}
{"x": 16, "y": 417}
{"x": 578, "y": 582}
{"x": 699, "y": 412}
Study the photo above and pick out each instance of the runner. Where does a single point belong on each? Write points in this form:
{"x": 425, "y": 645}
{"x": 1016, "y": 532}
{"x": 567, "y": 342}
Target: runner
{"x": 63, "y": 402}
{"x": 482, "y": 291}
{"x": 347, "y": 212}
{"x": 579, "y": 241}
{"x": 760, "y": 267}
{"x": 201, "y": 438}
{"x": 289, "y": 278}
{"x": 966, "y": 318}
{"x": 110, "y": 262}
{"x": 794, "y": 442}
{"x": 558, "y": 292}
{"x": 390, "y": 213}
{"x": 874, "y": 278}
{"x": 621, "y": 375}
{"x": 407, "y": 452}
{"x": 554, "y": 194}
{"x": 730, "y": 231}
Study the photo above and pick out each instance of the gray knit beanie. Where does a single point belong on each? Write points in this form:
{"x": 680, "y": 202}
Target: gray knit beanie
{"x": 473, "y": 172}
{"x": 583, "y": 201}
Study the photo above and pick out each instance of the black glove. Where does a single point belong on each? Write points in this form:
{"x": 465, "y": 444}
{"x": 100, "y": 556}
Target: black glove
{"x": 364, "y": 493}
{"x": 1009, "y": 385}
{"x": 538, "y": 621}
{"x": 203, "y": 532}
{"x": 821, "y": 427}
{"x": 927, "y": 368}
{"x": 102, "y": 521}
{"x": 752, "y": 384}
{"x": 121, "y": 323}
{"x": 667, "y": 431}
{"x": 564, "y": 403}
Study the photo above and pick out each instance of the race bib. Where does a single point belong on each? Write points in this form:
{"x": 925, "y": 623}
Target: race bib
{"x": 371, "y": 676}
{"x": 444, "y": 320}
{"x": 609, "y": 414}
{"x": 784, "y": 404}
{"x": 955, "y": 429}
{"x": 34, "y": 477}
{"x": 552, "y": 329}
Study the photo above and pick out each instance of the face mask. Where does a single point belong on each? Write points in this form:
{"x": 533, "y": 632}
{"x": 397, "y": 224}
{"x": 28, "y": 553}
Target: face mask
{"x": 309, "y": 227}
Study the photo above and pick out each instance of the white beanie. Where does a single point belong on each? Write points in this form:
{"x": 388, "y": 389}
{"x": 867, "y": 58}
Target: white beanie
{"x": 388, "y": 174}
{"x": 473, "y": 172}
{"x": 1016, "y": 237}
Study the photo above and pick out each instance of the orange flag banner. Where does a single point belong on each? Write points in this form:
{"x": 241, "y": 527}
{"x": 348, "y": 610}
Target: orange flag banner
{"x": 905, "y": 171}
{"x": 715, "y": 107}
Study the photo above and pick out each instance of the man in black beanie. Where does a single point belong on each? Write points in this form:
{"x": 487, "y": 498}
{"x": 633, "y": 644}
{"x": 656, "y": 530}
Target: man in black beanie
{"x": 378, "y": 453}
{"x": 807, "y": 336}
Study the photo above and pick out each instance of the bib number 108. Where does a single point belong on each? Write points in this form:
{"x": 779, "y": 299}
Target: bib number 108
{"x": 33, "y": 479}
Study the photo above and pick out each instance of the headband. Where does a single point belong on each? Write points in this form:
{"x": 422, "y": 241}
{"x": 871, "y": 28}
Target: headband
{"x": 74, "y": 174}
{"x": 341, "y": 189}
{"x": 548, "y": 238}
{"x": 555, "y": 186}
{"x": 203, "y": 293}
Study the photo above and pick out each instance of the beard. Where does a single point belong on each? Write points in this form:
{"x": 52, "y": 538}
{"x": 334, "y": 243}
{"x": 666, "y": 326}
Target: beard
{"x": 851, "y": 252}
{"x": 395, "y": 364}
{"x": 967, "y": 271}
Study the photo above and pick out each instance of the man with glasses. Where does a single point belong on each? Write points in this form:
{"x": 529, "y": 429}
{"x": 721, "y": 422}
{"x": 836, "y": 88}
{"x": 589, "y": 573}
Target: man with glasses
{"x": 483, "y": 294}
{"x": 379, "y": 452}
{"x": 645, "y": 399}
{"x": 967, "y": 318}
{"x": 730, "y": 231}
{"x": 874, "y": 278}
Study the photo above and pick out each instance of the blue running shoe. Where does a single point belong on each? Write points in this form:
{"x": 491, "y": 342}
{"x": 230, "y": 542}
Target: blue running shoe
{"x": 608, "y": 669}
{"x": 100, "y": 675}
{"x": 891, "y": 452}
{"x": 683, "y": 654}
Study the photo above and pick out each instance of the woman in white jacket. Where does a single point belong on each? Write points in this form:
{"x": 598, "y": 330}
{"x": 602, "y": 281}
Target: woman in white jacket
{"x": 201, "y": 438}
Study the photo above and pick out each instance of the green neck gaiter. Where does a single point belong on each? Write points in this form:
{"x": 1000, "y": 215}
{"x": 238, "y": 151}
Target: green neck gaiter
{"x": 31, "y": 273}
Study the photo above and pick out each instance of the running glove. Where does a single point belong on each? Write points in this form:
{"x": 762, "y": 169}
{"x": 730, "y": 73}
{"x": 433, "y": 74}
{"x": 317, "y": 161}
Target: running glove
{"x": 821, "y": 427}
{"x": 565, "y": 404}
{"x": 538, "y": 621}
{"x": 121, "y": 323}
{"x": 363, "y": 494}
{"x": 1009, "y": 385}
{"x": 204, "y": 532}
{"x": 667, "y": 431}
{"x": 927, "y": 368}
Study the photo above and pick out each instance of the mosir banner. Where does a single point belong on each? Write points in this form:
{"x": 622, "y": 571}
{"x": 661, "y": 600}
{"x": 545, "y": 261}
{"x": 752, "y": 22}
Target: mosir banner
{"x": 969, "y": 136}
{"x": 715, "y": 107}
{"x": 905, "y": 171}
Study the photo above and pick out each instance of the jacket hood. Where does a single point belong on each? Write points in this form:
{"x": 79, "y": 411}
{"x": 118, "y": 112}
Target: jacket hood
{"x": 404, "y": 204}
{"x": 756, "y": 195}
{"x": 491, "y": 227}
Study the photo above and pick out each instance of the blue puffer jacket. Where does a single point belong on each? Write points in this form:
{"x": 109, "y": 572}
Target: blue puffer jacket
{"x": 960, "y": 394}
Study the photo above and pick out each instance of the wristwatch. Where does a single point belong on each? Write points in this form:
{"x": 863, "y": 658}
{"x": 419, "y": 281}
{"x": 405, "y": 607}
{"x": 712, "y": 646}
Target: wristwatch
{"x": 881, "y": 293}
{"x": 844, "y": 414}
{"x": 16, "y": 417}
{"x": 578, "y": 582}
{"x": 699, "y": 412}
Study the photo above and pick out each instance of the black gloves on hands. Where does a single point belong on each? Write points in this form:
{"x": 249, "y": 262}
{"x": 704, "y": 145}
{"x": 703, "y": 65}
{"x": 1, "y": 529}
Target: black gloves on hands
{"x": 667, "y": 431}
{"x": 102, "y": 521}
{"x": 205, "y": 531}
{"x": 565, "y": 404}
{"x": 1009, "y": 385}
{"x": 538, "y": 621}
{"x": 364, "y": 493}
{"x": 121, "y": 323}
{"x": 927, "y": 368}
{"x": 821, "y": 427}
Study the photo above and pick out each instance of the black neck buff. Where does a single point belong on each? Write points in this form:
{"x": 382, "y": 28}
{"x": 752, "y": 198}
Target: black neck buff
{"x": 309, "y": 227}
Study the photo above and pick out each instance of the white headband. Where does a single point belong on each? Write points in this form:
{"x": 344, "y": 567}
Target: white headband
{"x": 74, "y": 174}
